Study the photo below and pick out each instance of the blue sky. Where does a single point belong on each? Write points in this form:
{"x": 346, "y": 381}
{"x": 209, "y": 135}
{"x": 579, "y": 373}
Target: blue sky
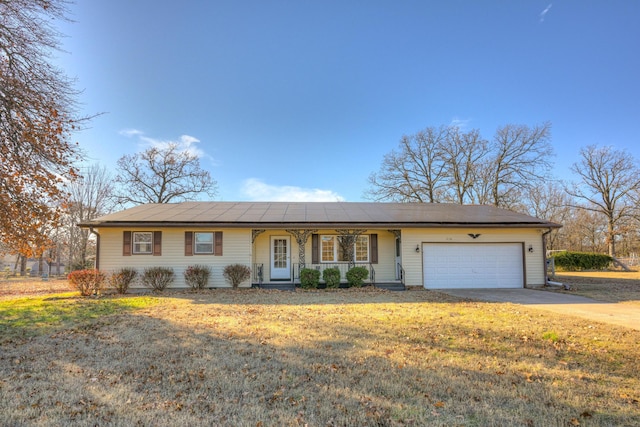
{"x": 300, "y": 100}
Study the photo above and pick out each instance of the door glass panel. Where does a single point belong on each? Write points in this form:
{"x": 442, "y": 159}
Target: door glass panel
{"x": 279, "y": 253}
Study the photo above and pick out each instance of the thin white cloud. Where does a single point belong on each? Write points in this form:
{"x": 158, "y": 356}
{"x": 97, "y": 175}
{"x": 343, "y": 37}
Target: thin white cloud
{"x": 460, "y": 123}
{"x": 130, "y": 132}
{"x": 543, "y": 14}
{"x": 184, "y": 142}
{"x": 257, "y": 190}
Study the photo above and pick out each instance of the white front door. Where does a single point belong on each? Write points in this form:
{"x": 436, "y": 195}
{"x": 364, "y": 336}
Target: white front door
{"x": 280, "y": 258}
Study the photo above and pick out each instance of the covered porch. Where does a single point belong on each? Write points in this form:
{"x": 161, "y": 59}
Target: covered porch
{"x": 278, "y": 255}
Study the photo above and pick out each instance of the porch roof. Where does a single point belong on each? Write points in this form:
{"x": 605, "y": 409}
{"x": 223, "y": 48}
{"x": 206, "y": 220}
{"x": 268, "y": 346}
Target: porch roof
{"x": 316, "y": 215}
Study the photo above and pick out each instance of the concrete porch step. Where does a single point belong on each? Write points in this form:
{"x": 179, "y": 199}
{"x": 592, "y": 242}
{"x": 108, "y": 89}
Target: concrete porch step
{"x": 391, "y": 286}
{"x": 278, "y": 286}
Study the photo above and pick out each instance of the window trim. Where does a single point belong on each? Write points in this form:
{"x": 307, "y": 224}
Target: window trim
{"x": 195, "y": 243}
{"x": 334, "y": 239}
{"x": 135, "y": 250}
{"x": 190, "y": 243}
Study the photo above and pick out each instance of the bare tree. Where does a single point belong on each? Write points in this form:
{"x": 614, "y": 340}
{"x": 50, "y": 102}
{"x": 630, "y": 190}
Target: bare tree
{"x": 37, "y": 104}
{"x": 414, "y": 173}
{"x": 162, "y": 175}
{"x": 550, "y": 202}
{"x": 445, "y": 164}
{"x": 520, "y": 160}
{"x": 607, "y": 181}
{"x": 90, "y": 197}
{"x": 463, "y": 155}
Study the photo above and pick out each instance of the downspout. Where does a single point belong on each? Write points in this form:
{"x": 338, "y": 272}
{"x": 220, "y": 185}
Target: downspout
{"x": 97, "y": 261}
{"x": 544, "y": 260}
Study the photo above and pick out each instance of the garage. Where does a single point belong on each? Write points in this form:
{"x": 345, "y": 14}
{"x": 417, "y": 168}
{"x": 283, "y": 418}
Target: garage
{"x": 472, "y": 265}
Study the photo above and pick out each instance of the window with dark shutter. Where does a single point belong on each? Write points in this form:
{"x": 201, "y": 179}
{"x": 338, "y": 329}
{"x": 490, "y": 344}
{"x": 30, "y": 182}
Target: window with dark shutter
{"x": 373, "y": 248}
{"x": 188, "y": 243}
{"x": 315, "y": 249}
{"x": 126, "y": 243}
{"x": 217, "y": 250}
{"x": 157, "y": 243}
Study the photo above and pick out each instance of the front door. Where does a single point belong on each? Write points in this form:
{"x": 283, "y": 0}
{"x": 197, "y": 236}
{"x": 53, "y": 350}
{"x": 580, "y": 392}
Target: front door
{"x": 280, "y": 258}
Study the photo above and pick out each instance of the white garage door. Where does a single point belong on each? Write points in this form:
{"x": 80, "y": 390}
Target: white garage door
{"x": 473, "y": 265}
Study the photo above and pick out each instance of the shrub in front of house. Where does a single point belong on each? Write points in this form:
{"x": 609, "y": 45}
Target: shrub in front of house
{"x": 88, "y": 282}
{"x": 309, "y": 278}
{"x": 121, "y": 279}
{"x": 236, "y": 274}
{"x": 331, "y": 277}
{"x": 197, "y": 276}
{"x": 157, "y": 278}
{"x": 357, "y": 275}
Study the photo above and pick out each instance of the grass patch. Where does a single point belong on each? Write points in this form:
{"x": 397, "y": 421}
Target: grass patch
{"x": 345, "y": 357}
{"x": 29, "y": 317}
{"x": 606, "y": 286}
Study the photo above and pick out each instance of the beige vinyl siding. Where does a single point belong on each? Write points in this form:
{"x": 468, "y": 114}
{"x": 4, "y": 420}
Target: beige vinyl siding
{"x": 236, "y": 249}
{"x": 412, "y": 238}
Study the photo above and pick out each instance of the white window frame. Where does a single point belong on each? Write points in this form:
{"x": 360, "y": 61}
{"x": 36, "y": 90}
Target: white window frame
{"x": 195, "y": 243}
{"x": 136, "y": 246}
{"x": 336, "y": 244}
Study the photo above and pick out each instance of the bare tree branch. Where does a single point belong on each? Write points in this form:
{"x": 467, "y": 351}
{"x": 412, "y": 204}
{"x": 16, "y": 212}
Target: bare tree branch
{"x": 162, "y": 175}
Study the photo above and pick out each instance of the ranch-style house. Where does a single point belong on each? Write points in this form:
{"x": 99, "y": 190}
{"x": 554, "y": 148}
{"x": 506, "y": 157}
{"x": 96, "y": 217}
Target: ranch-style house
{"x": 432, "y": 245}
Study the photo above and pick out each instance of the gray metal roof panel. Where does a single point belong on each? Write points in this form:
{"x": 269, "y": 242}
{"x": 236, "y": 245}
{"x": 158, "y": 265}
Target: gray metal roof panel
{"x": 257, "y": 213}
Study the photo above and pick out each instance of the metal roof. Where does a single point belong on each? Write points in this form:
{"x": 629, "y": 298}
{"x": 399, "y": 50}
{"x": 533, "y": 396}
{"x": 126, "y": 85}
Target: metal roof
{"x": 316, "y": 214}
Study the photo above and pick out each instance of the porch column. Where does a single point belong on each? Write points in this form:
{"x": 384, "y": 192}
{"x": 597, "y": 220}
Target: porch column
{"x": 301, "y": 237}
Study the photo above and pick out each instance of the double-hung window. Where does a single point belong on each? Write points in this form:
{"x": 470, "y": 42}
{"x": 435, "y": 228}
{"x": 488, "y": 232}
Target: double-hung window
{"x": 344, "y": 249}
{"x": 203, "y": 242}
{"x": 142, "y": 242}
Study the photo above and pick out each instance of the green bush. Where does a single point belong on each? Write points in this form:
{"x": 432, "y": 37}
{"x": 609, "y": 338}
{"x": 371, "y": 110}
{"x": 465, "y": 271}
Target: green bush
{"x": 309, "y": 278}
{"x": 121, "y": 279}
{"x": 236, "y": 274}
{"x": 331, "y": 277}
{"x": 357, "y": 275}
{"x": 157, "y": 278}
{"x": 88, "y": 282}
{"x": 576, "y": 261}
{"x": 197, "y": 276}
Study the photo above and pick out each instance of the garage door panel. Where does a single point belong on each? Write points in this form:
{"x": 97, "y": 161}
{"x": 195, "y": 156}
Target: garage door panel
{"x": 474, "y": 265}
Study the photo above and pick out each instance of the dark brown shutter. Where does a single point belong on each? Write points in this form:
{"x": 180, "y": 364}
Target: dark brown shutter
{"x": 373, "y": 248}
{"x": 188, "y": 243}
{"x": 126, "y": 243}
{"x": 157, "y": 243}
{"x": 315, "y": 249}
{"x": 217, "y": 243}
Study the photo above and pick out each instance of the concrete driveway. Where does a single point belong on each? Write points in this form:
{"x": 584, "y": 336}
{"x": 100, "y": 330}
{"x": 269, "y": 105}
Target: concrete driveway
{"x": 627, "y": 315}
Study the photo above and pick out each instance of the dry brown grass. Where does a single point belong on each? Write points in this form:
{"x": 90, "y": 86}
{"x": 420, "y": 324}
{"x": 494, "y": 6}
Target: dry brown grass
{"x": 342, "y": 358}
{"x": 607, "y": 286}
{"x": 21, "y": 287}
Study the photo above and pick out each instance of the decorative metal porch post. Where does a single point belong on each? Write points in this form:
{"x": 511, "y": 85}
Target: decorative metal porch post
{"x": 348, "y": 241}
{"x": 301, "y": 237}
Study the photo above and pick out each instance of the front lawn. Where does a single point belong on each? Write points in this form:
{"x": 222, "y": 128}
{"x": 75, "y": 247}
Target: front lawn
{"x": 339, "y": 358}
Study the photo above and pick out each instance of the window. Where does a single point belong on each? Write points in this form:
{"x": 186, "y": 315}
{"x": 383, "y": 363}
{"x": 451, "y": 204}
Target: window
{"x": 142, "y": 242}
{"x": 362, "y": 249}
{"x": 328, "y": 248}
{"x": 338, "y": 249}
{"x": 203, "y": 243}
